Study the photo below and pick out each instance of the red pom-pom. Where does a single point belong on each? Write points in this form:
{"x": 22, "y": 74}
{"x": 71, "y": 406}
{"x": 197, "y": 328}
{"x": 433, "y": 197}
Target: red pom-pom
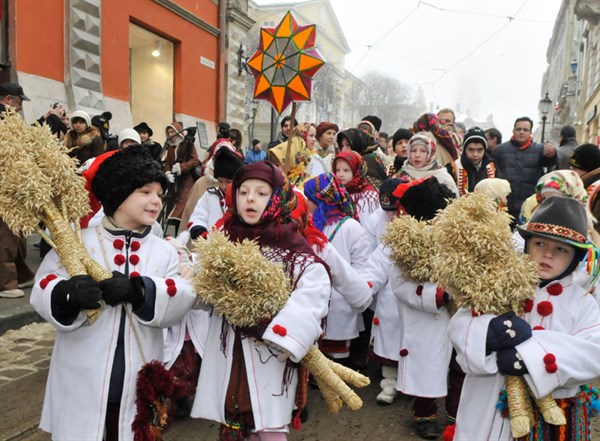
{"x": 170, "y": 282}
{"x": 551, "y": 368}
{"x": 134, "y": 274}
{"x": 420, "y": 290}
{"x": 189, "y": 224}
{"x": 118, "y": 244}
{"x": 403, "y": 352}
{"x": 44, "y": 283}
{"x": 475, "y": 313}
{"x": 549, "y": 358}
{"x": 538, "y": 328}
{"x": 135, "y": 245}
{"x": 376, "y": 321}
{"x": 296, "y": 421}
{"x": 51, "y": 277}
{"x": 555, "y": 289}
{"x": 119, "y": 259}
{"x": 171, "y": 290}
{"x": 134, "y": 259}
{"x": 280, "y": 330}
{"x": 528, "y": 305}
{"x": 544, "y": 308}
{"x": 370, "y": 284}
{"x": 448, "y": 434}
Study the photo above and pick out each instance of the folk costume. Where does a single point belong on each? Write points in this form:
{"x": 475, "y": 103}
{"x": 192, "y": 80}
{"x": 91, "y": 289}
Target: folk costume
{"x": 557, "y": 358}
{"x": 244, "y": 385}
{"x": 336, "y": 218}
{"x": 364, "y": 144}
{"x": 363, "y": 195}
{"x": 432, "y": 168}
{"x": 93, "y": 370}
{"x": 466, "y": 174}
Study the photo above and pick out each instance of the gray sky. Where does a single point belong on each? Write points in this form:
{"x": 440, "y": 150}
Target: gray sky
{"x": 461, "y": 52}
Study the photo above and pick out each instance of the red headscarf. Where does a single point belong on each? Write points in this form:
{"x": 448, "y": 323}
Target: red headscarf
{"x": 358, "y": 166}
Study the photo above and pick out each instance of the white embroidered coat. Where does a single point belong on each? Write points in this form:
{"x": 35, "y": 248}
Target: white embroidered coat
{"x": 571, "y": 332}
{"x": 78, "y": 380}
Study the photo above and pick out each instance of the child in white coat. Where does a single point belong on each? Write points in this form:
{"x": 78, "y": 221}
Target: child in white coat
{"x": 249, "y": 377}
{"x": 334, "y": 215}
{"x": 92, "y": 379}
{"x": 554, "y": 346}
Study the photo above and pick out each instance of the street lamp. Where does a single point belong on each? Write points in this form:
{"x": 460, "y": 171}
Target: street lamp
{"x": 545, "y": 105}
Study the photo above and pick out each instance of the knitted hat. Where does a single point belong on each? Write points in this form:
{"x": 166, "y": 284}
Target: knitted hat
{"x": 80, "y": 114}
{"x": 475, "y": 134}
{"x": 387, "y": 200}
{"x": 375, "y": 120}
{"x": 124, "y": 172}
{"x": 324, "y": 126}
{"x": 226, "y": 163}
{"x": 424, "y": 139}
{"x": 423, "y": 198}
{"x": 586, "y": 157}
{"x": 102, "y": 122}
{"x": 143, "y": 127}
{"x": 129, "y": 134}
{"x": 558, "y": 218}
{"x": 402, "y": 134}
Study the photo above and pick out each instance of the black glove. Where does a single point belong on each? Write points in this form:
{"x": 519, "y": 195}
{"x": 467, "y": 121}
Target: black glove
{"x": 506, "y": 331}
{"x": 510, "y": 362}
{"x": 196, "y": 232}
{"x": 72, "y": 295}
{"x": 121, "y": 289}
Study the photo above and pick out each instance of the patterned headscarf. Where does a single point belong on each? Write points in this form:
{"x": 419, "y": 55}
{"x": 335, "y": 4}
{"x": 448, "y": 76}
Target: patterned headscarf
{"x": 359, "y": 171}
{"x": 302, "y": 129}
{"x": 430, "y": 122}
{"x": 424, "y": 139}
{"x": 332, "y": 200}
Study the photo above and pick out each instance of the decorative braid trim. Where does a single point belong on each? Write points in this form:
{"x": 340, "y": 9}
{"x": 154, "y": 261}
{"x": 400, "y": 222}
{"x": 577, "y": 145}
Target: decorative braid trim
{"x": 556, "y": 230}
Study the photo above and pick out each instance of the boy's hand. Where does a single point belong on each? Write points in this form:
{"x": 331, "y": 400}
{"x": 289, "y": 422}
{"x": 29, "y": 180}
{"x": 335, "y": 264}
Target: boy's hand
{"x": 507, "y": 331}
{"x": 72, "y": 295}
{"x": 510, "y": 362}
{"x": 121, "y": 289}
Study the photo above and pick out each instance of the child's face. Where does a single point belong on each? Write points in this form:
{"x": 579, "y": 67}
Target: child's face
{"x": 401, "y": 148}
{"x": 141, "y": 208}
{"x": 418, "y": 156}
{"x": 79, "y": 125}
{"x": 224, "y": 184}
{"x": 343, "y": 172}
{"x": 327, "y": 138}
{"x": 345, "y": 147}
{"x": 474, "y": 152}
{"x": 553, "y": 257}
{"x": 252, "y": 198}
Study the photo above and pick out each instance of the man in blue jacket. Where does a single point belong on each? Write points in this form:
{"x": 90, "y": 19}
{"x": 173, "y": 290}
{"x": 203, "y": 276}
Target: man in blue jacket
{"x": 256, "y": 153}
{"x": 521, "y": 162}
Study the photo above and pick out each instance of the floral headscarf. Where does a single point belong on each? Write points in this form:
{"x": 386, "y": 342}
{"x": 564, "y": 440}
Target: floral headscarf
{"x": 359, "y": 171}
{"x": 430, "y": 122}
{"x": 332, "y": 200}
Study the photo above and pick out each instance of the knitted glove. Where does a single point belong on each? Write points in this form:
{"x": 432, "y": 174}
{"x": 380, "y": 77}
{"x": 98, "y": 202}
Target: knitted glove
{"x": 510, "y": 362}
{"x": 506, "y": 331}
{"x": 121, "y": 289}
{"x": 197, "y": 231}
{"x": 71, "y": 296}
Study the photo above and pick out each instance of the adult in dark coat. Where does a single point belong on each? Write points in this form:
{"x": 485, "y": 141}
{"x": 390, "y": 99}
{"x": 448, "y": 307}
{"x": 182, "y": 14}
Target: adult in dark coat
{"x": 521, "y": 162}
{"x": 146, "y": 133}
{"x": 566, "y": 147}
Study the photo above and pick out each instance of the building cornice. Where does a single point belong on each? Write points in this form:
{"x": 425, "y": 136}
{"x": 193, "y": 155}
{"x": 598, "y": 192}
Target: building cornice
{"x": 188, "y": 16}
{"x": 238, "y": 17}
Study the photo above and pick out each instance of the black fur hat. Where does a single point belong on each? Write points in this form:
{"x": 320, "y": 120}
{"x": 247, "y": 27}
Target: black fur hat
{"x": 423, "y": 200}
{"x": 586, "y": 157}
{"x": 226, "y": 163}
{"x": 124, "y": 172}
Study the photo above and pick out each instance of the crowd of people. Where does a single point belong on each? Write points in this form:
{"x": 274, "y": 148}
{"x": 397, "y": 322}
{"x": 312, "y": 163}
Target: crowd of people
{"x": 318, "y": 201}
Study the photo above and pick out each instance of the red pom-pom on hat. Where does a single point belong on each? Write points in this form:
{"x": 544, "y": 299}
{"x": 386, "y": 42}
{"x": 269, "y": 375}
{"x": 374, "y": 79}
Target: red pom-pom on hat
{"x": 544, "y": 308}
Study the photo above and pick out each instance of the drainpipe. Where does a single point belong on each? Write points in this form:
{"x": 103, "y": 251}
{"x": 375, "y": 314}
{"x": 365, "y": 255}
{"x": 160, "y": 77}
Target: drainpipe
{"x": 222, "y": 80}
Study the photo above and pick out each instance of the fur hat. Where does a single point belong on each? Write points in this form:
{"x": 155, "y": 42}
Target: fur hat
{"x": 129, "y": 134}
{"x": 423, "y": 198}
{"x": 81, "y": 114}
{"x": 124, "y": 172}
{"x": 475, "y": 134}
{"x": 586, "y": 157}
{"x": 558, "y": 218}
{"x": 226, "y": 163}
{"x": 143, "y": 127}
{"x": 102, "y": 122}
{"x": 400, "y": 135}
{"x": 324, "y": 126}
{"x": 375, "y": 120}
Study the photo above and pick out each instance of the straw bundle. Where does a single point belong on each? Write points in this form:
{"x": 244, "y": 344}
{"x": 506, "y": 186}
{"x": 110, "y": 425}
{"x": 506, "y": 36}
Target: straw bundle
{"x": 248, "y": 294}
{"x": 478, "y": 265}
{"x": 412, "y": 247}
{"x": 38, "y": 184}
